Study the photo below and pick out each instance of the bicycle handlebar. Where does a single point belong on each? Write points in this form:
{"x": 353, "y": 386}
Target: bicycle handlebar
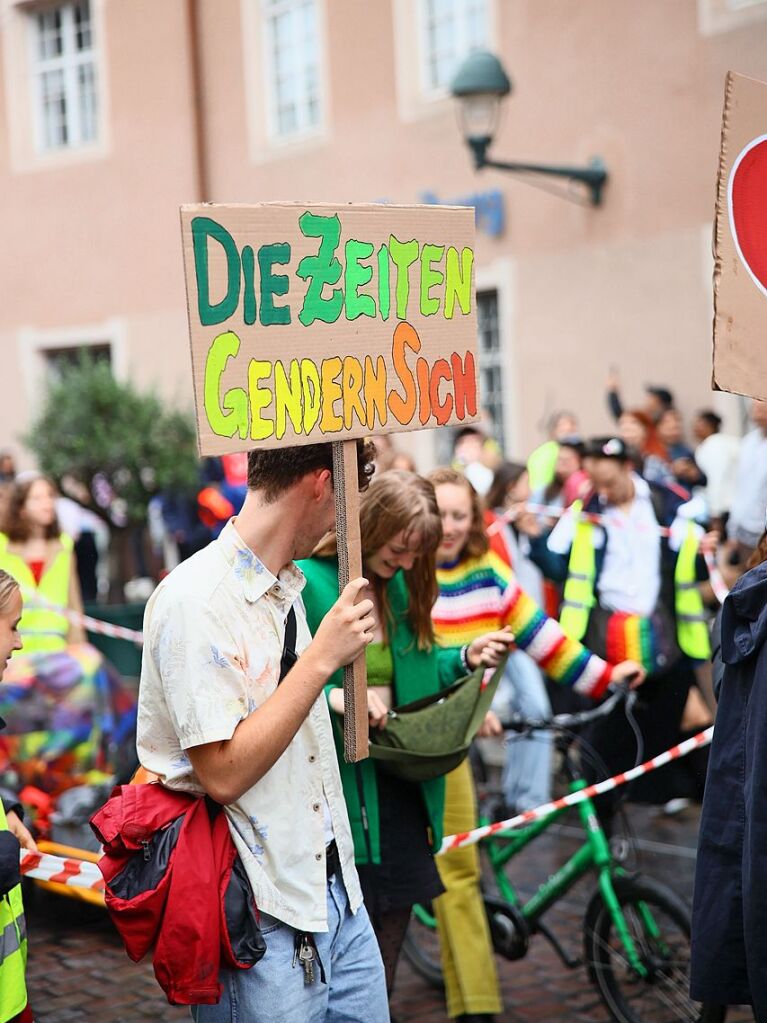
{"x": 570, "y": 722}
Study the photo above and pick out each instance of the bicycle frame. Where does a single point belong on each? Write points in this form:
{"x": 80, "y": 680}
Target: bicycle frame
{"x": 594, "y": 855}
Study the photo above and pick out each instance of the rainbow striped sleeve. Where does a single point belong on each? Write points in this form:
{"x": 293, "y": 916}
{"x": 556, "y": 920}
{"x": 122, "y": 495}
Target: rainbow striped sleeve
{"x": 565, "y": 660}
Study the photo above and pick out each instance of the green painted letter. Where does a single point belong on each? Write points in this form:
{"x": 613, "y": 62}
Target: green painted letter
{"x": 458, "y": 281}
{"x": 430, "y": 277}
{"x": 249, "y": 287}
{"x": 273, "y": 284}
{"x": 356, "y": 275}
{"x": 322, "y": 269}
{"x": 384, "y": 296}
{"x": 202, "y": 229}
{"x": 403, "y": 255}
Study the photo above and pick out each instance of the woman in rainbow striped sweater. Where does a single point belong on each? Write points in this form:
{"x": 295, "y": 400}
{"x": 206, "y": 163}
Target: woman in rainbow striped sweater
{"x": 478, "y": 593}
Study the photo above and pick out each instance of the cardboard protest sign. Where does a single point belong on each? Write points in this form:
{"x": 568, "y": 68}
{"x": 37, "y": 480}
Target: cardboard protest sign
{"x": 740, "y": 241}
{"x": 318, "y": 323}
{"x": 313, "y": 323}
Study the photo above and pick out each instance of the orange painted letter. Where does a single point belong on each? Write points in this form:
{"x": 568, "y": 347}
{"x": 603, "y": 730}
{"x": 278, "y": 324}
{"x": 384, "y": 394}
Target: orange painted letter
{"x": 465, "y": 385}
{"x": 442, "y": 409}
{"x": 403, "y": 408}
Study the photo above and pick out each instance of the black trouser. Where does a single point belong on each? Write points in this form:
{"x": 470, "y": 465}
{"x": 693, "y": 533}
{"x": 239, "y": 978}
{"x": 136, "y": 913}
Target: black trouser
{"x": 658, "y": 713}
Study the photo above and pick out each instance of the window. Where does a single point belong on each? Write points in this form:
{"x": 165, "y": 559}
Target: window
{"x": 451, "y": 30}
{"x": 57, "y": 359}
{"x": 292, "y": 42}
{"x": 490, "y": 365}
{"x": 64, "y": 76}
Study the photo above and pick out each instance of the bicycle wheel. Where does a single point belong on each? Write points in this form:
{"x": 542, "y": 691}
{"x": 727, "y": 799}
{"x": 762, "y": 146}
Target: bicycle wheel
{"x": 659, "y": 924}
{"x": 421, "y": 946}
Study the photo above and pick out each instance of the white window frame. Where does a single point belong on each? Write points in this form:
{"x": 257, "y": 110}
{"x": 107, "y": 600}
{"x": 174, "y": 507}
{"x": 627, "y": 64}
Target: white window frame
{"x": 717, "y": 16}
{"x": 69, "y": 63}
{"x": 428, "y": 88}
{"x": 35, "y": 344}
{"x": 493, "y": 360}
{"x": 500, "y": 277}
{"x": 19, "y": 91}
{"x": 268, "y": 10}
{"x": 415, "y": 99}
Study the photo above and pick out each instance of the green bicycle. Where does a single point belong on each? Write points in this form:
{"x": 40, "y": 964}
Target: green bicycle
{"x": 636, "y": 931}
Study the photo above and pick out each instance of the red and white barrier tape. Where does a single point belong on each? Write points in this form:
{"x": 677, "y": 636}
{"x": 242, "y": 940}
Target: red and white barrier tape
{"x": 84, "y": 874}
{"x": 718, "y": 585}
{"x": 70, "y": 872}
{"x": 681, "y": 750}
{"x": 34, "y": 600}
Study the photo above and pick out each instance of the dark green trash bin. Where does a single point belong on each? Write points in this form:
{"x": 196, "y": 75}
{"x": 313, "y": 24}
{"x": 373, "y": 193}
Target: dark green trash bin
{"x": 122, "y": 653}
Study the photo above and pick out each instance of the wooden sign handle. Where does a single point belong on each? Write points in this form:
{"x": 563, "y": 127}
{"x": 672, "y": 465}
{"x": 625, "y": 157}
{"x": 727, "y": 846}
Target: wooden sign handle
{"x": 345, "y": 483}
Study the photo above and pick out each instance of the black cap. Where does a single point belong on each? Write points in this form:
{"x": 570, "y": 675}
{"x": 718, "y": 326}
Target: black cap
{"x": 608, "y": 447}
{"x": 664, "y": 396}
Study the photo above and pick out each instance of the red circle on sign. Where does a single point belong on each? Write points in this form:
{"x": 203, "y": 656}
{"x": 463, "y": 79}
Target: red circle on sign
{"x": 747, "y": 201}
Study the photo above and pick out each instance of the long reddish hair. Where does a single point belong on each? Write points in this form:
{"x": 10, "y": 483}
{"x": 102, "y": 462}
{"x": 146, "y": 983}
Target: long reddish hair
{"x": 399, "y": 501}
{"x": 653, "y": 445}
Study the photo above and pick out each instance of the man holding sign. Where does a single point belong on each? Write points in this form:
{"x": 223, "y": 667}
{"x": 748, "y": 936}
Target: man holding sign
{"x": 307, "y": 325}
{"x": 215, "y": 717}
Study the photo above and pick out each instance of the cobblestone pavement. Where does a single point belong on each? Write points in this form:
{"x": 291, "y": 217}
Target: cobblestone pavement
{"x": 78, "y": 970}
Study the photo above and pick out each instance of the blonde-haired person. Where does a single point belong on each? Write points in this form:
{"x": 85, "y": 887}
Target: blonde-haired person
{"x": 478, "y": 591}
{"x": 59, "y": 672}
{"x": 13, "y": 948}
{"x": 399, "y": 827}
{"x": 41, "y": 557}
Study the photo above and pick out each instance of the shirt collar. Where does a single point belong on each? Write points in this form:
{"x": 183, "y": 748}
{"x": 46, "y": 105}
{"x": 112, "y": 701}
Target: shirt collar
{"x": 641, "y": 487}
{"x": 255, "y": 578}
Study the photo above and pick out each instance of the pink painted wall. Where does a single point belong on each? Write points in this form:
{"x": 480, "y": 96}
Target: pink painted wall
{"x": 637, "y": 84}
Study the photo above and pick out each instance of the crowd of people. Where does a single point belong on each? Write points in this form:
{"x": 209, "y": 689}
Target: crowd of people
{"x": 584, "y": 566}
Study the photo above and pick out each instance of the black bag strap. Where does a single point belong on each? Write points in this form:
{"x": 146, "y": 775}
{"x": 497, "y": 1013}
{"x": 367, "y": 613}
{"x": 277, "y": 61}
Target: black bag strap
{"x": 289, "y": 655}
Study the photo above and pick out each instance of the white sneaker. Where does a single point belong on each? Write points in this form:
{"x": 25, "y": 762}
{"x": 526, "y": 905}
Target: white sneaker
{"x": 675, "y": 806}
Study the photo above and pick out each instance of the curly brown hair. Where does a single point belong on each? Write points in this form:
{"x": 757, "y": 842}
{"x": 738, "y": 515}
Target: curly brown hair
{"x": 477, "y": 542}
{"x": 15, "y": 525}
{"x": 272, "y": 471}
{"x": 399, "y": 501}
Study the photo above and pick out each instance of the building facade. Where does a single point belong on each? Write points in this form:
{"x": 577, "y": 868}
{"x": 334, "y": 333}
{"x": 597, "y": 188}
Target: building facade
{"x": 114, "y": 112}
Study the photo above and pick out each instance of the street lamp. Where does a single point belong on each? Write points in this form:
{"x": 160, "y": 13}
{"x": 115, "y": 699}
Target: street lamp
{"x": 479, "y": 86}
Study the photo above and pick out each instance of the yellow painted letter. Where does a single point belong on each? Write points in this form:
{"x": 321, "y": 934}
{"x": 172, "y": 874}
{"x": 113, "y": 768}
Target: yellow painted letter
{"x": 287, "y": 397}
{"x": 458, "y": 281}
{"x": 331, "y": 422}
{"x": 235, "y": 418}
{"x": 260, "y": 398}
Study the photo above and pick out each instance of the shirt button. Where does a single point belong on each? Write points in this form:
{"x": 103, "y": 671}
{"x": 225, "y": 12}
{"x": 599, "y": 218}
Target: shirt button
{"x": 318, "y": 856}
{"x": 312, "y": 758}
{"x": 316, "y": 807}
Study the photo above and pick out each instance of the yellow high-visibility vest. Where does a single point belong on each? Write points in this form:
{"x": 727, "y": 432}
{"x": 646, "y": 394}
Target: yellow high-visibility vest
{"x": 579, "y": 593}
{"x": 578, "y": 596}
{"x": 41, "y": 629}
{"x": 13, "y": 949}
{"x": 691, "y": 625}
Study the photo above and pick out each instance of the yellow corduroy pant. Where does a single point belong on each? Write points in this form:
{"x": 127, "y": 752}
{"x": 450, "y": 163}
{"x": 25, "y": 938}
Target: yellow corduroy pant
{"x": 468, "y": 963}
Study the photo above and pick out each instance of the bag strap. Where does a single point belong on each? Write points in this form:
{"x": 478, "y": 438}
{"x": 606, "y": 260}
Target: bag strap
{"x": 289, "y": 658}
{"x": 289, "y": 655}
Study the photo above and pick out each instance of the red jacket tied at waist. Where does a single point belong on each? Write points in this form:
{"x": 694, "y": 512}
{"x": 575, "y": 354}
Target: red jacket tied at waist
{"x": 168, "y": 863}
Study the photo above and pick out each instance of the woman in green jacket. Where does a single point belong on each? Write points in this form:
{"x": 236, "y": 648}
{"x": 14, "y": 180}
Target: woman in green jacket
{"x": 399, "y": 826}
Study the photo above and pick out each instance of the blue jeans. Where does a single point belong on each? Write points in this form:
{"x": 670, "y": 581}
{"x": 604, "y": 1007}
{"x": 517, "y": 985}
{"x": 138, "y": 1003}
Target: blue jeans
{"x": 526, "y": 779}
{"x": 274, "y": 991}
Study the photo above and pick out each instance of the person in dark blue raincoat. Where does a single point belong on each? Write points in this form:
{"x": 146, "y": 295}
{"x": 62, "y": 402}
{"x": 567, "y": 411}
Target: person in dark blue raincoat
{"x": 729, "y": 924}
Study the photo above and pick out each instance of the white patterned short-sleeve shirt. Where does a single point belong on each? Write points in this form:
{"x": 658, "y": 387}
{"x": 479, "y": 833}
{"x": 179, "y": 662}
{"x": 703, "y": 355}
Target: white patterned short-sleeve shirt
{"x": 214, "y": 632}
